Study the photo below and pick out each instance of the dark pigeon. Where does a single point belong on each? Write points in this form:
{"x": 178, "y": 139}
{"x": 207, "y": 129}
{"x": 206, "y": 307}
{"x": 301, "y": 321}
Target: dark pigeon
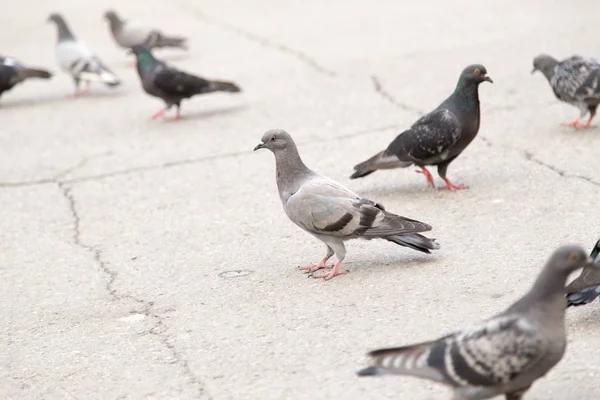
{"x": 503, "y": 355}
{"x": 436, "y": 138}
{"x": 586, "y": 287}
{"x": 13, "y": 72}
{"x": 128, "y": 34}
{"x": 173, "y": 85}
{"x": 575, "y": 80}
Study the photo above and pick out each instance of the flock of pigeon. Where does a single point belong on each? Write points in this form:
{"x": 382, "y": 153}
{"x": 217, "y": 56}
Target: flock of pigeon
{"x": 503, "y": 355}
{"x": 78, "y": 60}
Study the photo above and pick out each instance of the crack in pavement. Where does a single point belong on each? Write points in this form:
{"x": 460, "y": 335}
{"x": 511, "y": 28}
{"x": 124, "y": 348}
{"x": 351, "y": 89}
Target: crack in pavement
{"x": 263, "y": 41}
{"x": 159, "y": 329}
{"x": 379, "y": 89}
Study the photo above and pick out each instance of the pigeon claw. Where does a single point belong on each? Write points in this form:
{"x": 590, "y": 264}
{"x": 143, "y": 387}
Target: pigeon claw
{"x": 335, "y": 271}
{"x": 452, "y": 187}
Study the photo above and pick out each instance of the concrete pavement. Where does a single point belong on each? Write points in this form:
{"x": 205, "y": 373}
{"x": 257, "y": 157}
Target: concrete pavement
{"x": 152, "y": 260}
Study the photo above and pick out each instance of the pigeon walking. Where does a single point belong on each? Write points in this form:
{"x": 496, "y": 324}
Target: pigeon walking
{"x": 13, "y": 72}
{"x": 128, "y": 34}
{"x": 332, "y": 213}
{"x": 436, "y": 138}
{"x": 171, "y": 84}
{"x": 76, "y": 58}
{"x": 586, "y": 287}
{"x": 504, "y": 355}
{"x": 575, "y": 80}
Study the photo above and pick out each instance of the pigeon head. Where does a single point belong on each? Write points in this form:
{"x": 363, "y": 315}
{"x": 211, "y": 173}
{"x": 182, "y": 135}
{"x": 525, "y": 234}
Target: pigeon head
{"x": 140, "y": 49}
{"x": 568, "y": 259}
{"x": 111, "y": 16}
{"x": 274, "y": 140}
{"x": 56, "y": 18}
{"x": 63, "y": 30}
{"x": 474, "y": 74}
{"x": 545, "y": 64}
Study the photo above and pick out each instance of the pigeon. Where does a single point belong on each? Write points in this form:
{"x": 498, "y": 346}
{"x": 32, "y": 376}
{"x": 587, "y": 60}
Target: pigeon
{"x": 501, "y": 356}
{"x": 575, "y": 80}
{"x": 76, "y": 58}
{"x": 586, "y": 287}
{"x": 12, "y": 72}
{"x": 128, "y": 34}
{"x": 172, "y": 85}
{"x": 332, "y": 213}
{"x": 436, "y": 138}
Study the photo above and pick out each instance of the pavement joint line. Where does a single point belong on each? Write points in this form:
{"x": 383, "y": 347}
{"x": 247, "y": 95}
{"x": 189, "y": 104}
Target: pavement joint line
{"x": 159, "y": 329}
{"x": 265, "y": 42}
{"x": 379, "y": 89}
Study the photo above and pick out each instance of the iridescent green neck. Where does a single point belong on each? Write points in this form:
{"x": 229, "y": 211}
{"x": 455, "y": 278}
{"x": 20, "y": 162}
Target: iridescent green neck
{"x": 145, "y": 60}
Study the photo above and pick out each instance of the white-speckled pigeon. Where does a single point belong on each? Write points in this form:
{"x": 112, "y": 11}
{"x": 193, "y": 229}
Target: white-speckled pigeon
{"x": 575, "y": 80}
{"x": 13, "y": 72}
{"x": 332, "y": 213}
{"x": 171, "y": 84}
{"x": 503, "y": 355}
{"x": 586, "y": 287}
{"x": 436, "y": 138}
{"x": 76, "y": 58}
{"x": 128, "y": 34}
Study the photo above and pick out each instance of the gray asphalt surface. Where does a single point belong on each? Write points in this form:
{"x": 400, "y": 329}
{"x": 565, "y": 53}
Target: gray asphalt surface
{"x": 152, "y": 260}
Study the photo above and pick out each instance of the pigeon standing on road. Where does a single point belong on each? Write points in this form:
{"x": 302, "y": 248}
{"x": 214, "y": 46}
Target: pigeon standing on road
{"x": 504, "y": 355}
{"x": 332, "y": 213}
{"x": 586, "y": 287}
{"x": 436, "y": 138}
{"x": 128, "y": 34}
{"x": 76, "y": 58}
{"x": 575, "y": 80}
{"x": 173, "y": 85}
{"x": 12, "y": 72}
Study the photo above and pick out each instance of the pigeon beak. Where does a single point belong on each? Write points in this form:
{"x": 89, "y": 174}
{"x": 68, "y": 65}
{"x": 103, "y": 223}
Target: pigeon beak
{"x": 259, "y": 146}
{"x": 488, "y": 79}
{"x": 533, "y": 70}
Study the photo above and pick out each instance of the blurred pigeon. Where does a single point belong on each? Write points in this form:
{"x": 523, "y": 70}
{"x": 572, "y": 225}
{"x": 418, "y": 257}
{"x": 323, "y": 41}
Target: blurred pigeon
{"x": 436, "y": 138}
{"x": 12, "y": 72}
{"x": 173, "y": 85}
{"x": 503, "y": 355}
{"x": 332, "y": 213}
{"x": 586, "y": 287}
{"x": 575, "y": 80}
{"x": 75, "y": 58}
{"x": 128, "y": 34}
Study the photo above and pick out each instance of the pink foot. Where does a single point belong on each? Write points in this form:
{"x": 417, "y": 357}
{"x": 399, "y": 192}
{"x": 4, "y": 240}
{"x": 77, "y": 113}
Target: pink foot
{"x": 334, "y": 272}
{"x": 315, "y": 267}
{"x": 452, "y": 187}
{"x": 158, "y": 113}
{"x": 428, "y": 176}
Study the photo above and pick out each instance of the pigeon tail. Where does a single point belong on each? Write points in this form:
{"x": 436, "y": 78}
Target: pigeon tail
{"x": 223, "y": 86}
{"x": 35, "y": 73}
{"x": 415, "y": 242}
{"x": 173, "y": 41}
{"x": 583, "y": 297}
{"x": 380, "y": 160}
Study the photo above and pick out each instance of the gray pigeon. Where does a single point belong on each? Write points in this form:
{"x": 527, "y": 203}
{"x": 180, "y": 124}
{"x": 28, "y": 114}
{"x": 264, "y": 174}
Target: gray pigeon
{"x": 76, "y": 58}
{"x": 586, "y": 287}
{"x": 503, "y": 355}
{"x": 171, "y": 84}
{"x": 436, "y": 138}
{"x": 575, "y": 80}
{"x": 332, "y": 213}
{"x": 128, "y": 34}
{"x": 12, "y": 72}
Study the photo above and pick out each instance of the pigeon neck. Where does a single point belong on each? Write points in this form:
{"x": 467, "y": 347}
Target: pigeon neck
{"x": 468, "y": 92}
{"x": 289, "y": 164}
{"x": 548, "y": 70}
{"x": 64, "y": 33}
{"x": 548, "y": 288}
{"x": 115, "y": 24}
{"x": 145, "y": 61}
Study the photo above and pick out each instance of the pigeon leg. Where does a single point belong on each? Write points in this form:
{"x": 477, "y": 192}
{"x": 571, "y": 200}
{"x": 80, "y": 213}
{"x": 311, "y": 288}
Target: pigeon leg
{"x": 452, "y": 187}
{"x": 159, "y": 113}
{"x": 428, "y": 176}
{"x": 588, "y": 124}
{"x": 334, "y": 272}
{"x": 574, "y": 123}
{"x": 177, "y": 115}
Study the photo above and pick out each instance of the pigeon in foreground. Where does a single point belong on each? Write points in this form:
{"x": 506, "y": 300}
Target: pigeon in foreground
{"x": 586, "y": 287}
{"x": 503, "y": 355}
{"x": 75, "y": 58}
{"x": 575, "y": 80}
{"x": 12, "y": 72}
{"x": 173, "y": 85}
{"x": 128, "y": 34}
{"x": 332, "y": 213}
{"x": 436, "y": 138}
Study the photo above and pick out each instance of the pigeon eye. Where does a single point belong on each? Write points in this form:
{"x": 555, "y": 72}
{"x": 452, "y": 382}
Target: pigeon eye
{"x": 272, "y": 138}
{"x": 476, "y": 71}
{"x": 574, "y": 257}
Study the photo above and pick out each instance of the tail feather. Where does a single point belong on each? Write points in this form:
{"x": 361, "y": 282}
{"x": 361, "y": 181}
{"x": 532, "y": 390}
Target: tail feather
{"x": 35, "y": 73}
{"x": 224, "y": 86}
{"x": 380, "y": 160}
{"x": 583, "y": 297}
{"x": 172, "y": 41}
{"x": 415, "y": 241}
